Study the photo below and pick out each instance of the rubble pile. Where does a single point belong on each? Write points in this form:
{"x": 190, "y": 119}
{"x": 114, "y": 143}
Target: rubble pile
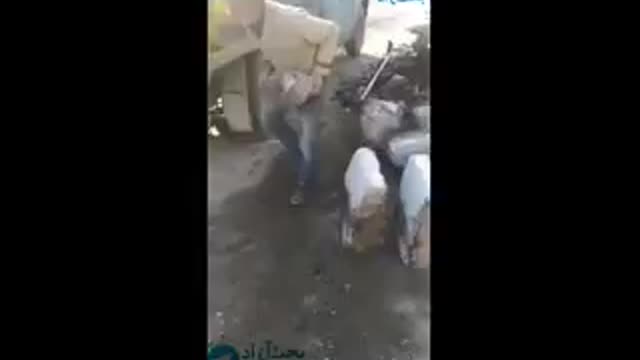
{"x": 380, "y": 119}
{"x": 422, "y": 48}
{"x": 405, "y": 77}
{"x": 391, "y": 99}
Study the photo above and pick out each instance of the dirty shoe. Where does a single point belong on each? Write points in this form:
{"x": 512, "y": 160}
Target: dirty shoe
{"x": 297, "y": 197}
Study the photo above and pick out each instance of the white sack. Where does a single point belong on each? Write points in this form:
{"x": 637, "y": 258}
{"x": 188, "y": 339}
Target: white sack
{"x": 402, "y": 146}
{"x": 365, "y": 184}
{"x": 415, "y": 191}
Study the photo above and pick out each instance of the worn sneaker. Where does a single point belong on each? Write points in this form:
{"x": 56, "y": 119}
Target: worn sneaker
{"x": 297, "y": 197}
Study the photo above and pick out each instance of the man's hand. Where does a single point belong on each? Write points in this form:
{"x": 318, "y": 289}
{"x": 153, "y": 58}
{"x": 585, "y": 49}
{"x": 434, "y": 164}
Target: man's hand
{"x": 317, "y": 79}
{"x": 298, "y": 87}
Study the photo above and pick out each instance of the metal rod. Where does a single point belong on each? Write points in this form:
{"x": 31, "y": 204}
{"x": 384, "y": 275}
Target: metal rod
{"x": 378, "y": 72}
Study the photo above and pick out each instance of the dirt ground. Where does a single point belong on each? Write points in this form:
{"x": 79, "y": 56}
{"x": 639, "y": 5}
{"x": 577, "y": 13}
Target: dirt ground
{"x": 280, "y": 274}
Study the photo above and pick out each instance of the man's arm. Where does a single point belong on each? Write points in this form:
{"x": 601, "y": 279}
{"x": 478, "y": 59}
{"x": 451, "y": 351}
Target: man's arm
{"x": 323, "y": 34}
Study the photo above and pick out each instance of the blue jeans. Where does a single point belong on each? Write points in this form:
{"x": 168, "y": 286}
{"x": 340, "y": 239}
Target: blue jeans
{"x": 302, "y": 148}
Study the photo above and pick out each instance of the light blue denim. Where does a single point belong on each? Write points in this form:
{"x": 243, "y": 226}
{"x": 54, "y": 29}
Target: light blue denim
{"x": 301, "y": 143}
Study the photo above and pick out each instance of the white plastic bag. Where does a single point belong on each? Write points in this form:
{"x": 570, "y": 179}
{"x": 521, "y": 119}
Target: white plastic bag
{"x": 379, "y": 119}
{"x": 421, "y": 257}
{"x": 415, "y": 190}
{"x": 415, "y": 195}
{"x": 365, "y": 184}
{"x": 416, "y": 251}
{"x": 402, "y": 146}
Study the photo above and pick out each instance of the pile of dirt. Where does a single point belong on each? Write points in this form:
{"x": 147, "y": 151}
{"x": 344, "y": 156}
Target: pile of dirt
{"x": 405, "y": 77}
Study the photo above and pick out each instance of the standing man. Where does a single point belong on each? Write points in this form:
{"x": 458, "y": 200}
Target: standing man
{"x": 301, "y": 49}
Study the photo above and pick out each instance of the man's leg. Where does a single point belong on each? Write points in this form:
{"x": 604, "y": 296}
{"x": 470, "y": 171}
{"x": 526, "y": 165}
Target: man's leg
{"x": 277, "y": 126}
{"x": 301, "y": 143}
{"x": 289, "y": 139}
{"x": 309, "y": 119}
{"x": 299, "y": 147}
{"x": 308, "y": 147}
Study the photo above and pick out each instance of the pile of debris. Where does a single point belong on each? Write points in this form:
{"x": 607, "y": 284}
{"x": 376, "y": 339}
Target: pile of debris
{"x": 392, "y": 101}
{"x": 402, "y": 75}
